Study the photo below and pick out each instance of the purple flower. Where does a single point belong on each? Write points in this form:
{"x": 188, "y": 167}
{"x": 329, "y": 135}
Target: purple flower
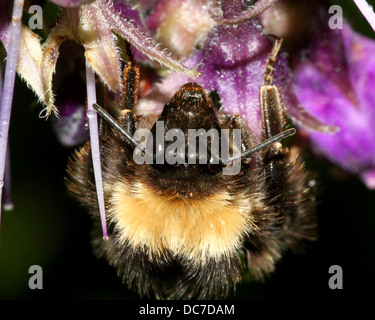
{"x": 70, "y": 126}
{"x": 232, "y": 61}
{"x": 327, "y": 89}
{"x": 334, "y": 84}
{"x": 29, "y": 51}
{"x": 334, "y": 70}
{"x": 180, "y": 25}
{"x": 90, "y": 25}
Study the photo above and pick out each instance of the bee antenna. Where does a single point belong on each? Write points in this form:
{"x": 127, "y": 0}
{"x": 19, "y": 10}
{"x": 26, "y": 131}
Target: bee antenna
{"x": 280, "y": 136}
{"x": 107, "y": 117}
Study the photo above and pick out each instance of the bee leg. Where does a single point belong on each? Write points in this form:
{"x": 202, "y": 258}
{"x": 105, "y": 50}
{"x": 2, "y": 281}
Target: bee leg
{"x": 287, "y": 181}
{"x": 273, "y": 123}
{"x": 127, "y": 121}
{"x": 287, "y": 196}
{"x": 126, "y": 102}
{"x": 275, "y": 158}
{"x": 129, "y": 96}
{"x": 272, "y": 111}
{"x": 130, "y": 86}
{"x": 122, "y": 111}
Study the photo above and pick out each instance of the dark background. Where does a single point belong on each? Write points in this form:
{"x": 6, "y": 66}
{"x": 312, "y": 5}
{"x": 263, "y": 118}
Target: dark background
{"x": 46, "y": 228}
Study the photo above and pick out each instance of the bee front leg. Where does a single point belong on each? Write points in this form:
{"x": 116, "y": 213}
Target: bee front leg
{"x": 272, "y": 111}
{"x": 130, "y": 86}
{"x": 275, "y": 159}
{"x": 290, "y": 216}
{"x": 128, "y": 97}
{"x": 289, "y": 194}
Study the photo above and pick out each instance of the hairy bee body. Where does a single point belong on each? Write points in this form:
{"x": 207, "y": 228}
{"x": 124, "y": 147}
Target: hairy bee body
{"x": 186, "y": 230}
{"x": 186, "y": 233}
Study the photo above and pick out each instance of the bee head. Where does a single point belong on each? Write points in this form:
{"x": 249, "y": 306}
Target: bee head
{"x": 189, "y": 108}
{"x": 185, "y": 144}
{"x": 182, "y": 139}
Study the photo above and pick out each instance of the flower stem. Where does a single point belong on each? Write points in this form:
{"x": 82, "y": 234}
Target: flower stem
{"x": 9, "y": 78}
{"x": 367, "y": 11}
{"x": 94, "y": 140}
{"x": 8, "y": 203}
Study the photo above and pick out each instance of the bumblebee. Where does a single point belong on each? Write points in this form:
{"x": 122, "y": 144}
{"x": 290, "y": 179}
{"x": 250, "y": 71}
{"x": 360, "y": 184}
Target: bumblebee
{"x": 186, "y": 230}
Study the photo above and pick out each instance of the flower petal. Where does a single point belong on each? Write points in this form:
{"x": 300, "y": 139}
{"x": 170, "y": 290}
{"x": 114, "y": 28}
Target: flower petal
{"x": 233, "y": 61}
{"x": 180, "y": 25}
{"x": 349, "y": 107}
{"x": 295, "y": 110}
{"x": 70, "y": 126}
{"x": 29, "y": 55}
{"x": 29, "y": 59}
{"x": 136, "y": 37}
{"x": 100, "y": 46}
{"x": 51, "y": 47}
